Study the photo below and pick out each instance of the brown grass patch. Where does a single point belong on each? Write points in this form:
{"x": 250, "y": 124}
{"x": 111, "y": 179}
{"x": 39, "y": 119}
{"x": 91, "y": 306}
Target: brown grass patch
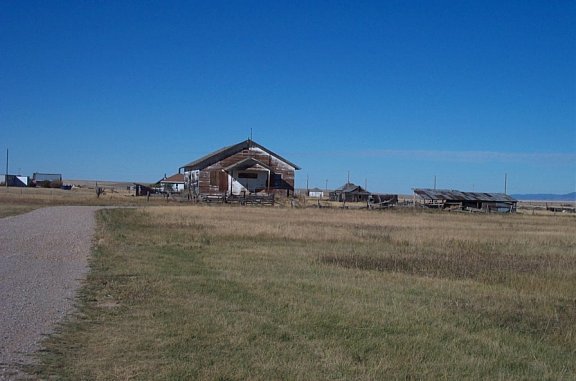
{"x": 454, "y": 264}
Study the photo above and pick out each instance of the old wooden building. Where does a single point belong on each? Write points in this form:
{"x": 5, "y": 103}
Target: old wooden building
{"x": 243, "y": 168}
{"x": 474, "y": 201}
{"x": 350, "y": 192}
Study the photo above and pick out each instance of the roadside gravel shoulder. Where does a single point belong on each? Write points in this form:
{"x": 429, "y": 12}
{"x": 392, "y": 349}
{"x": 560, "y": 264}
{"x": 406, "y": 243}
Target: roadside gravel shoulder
{"x": 43, "y": 260}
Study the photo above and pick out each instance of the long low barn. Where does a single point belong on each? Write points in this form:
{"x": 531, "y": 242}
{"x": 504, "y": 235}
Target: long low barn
{"x": 489, "y": 202}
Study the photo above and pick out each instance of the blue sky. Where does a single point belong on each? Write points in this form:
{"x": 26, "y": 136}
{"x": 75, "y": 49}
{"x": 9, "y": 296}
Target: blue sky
{"x": 394, "y": 92}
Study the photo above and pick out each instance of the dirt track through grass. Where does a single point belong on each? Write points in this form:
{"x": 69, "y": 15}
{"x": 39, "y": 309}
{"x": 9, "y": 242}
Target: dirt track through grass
{"x": 241, "y": 293}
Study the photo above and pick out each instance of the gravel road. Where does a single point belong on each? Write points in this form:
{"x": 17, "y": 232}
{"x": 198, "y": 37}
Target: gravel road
{"x": 43, "y": 259}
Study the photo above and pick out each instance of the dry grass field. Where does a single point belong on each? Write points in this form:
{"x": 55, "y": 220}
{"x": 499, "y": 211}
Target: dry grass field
{"x": 235, "y": 293}
{"x": 29, "y": 198}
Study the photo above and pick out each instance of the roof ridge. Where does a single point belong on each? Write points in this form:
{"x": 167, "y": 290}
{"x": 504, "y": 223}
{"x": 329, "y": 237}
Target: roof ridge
{"x": 213, "y": 157}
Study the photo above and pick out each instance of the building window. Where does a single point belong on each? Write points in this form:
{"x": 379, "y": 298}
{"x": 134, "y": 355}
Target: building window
{"x": 247, "y": 175}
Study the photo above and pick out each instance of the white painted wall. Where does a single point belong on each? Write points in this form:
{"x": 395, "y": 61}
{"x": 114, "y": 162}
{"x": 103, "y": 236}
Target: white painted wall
{"x": 176, "y": 187}
{"x": 241, "y": 185}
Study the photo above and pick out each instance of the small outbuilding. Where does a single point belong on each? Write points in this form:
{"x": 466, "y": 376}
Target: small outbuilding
{"x": 473, "y": 201}
{"x": 315, "y": 193}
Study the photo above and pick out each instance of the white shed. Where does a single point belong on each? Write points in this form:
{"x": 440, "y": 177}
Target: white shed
{"x": 316, "y": 193}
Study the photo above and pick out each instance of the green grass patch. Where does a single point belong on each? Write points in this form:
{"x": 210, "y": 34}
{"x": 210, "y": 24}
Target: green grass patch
{"x": 239, "y": 293}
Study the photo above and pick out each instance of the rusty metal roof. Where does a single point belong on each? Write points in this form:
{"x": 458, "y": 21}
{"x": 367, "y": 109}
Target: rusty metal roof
{"x": 456, "y": 195}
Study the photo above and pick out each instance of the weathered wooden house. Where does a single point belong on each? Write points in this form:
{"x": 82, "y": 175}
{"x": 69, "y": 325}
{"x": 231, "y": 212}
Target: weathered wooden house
{"x": 350, "y": 192}
{"x": 243, "y": 168}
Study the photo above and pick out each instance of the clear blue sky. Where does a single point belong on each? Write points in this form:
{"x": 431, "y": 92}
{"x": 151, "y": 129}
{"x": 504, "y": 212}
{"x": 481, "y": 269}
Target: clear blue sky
{"x": 396, "y": 92}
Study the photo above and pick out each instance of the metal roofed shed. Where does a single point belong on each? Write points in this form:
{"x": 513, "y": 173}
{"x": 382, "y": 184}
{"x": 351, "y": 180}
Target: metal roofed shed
{"x": 39, "y": 177}
{"x": 471, "y": 201}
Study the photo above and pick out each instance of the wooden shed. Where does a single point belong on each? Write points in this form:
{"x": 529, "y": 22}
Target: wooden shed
{"x": 243, "y": 168}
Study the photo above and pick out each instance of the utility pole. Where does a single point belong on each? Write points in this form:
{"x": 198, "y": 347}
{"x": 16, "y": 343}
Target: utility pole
{"x": 307, "y": 187}
{"x": 6, "y": 174}
{"x": 434, "y": 182}
{"x": 326, "y": 186}
{"x": 348, "y": 182}
{"x": 505, "y": 183}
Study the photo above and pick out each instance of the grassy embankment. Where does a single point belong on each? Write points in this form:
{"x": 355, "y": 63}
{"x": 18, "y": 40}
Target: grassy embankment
{"x": 224, "y": 293}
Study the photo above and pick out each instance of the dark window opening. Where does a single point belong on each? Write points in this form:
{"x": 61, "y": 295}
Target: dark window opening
{"x": 277, "y": 180}
{"x": 247, "y": 175}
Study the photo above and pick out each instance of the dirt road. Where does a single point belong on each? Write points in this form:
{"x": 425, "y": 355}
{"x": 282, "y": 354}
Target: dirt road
{"x": 43, "y": 259}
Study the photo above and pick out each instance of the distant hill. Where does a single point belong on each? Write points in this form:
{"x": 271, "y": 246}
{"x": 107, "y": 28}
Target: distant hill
{"x": 546, "y": 197}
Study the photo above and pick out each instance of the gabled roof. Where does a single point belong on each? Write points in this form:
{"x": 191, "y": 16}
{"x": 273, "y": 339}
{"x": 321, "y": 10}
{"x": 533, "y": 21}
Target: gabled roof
{"x": 225, "y": 152}
{"x": 455, "y": 195}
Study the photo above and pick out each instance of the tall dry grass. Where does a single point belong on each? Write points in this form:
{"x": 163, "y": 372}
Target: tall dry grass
{"x": 197, "y": 292}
